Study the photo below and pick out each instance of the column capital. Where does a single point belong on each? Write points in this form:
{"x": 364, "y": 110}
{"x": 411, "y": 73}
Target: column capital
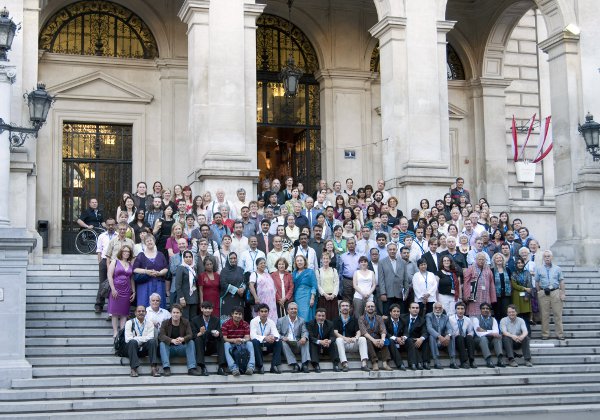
{"x": 252, "y": 9}
{"x": 194, "y": 12}
{"x": 387, "y": 24}
{"x": 489, "y": 86}
{"x": 559, "y": 44}
{"x": 445, "y": 26}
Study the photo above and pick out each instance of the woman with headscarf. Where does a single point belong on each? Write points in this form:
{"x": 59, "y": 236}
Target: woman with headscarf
{"x": 233, "y": 287}
{"x": 185, "y": 285}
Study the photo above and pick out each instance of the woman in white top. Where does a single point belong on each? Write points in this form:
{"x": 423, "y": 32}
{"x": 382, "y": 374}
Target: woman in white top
{"x": 364, "y": 285}
{"x": 425, "y": 287}
{"x": 328, "y": 283}
{"x": 291, "y": 230}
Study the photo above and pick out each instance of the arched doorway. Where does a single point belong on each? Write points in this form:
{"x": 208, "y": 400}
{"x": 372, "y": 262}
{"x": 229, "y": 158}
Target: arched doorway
{"x": 289, "y": 130}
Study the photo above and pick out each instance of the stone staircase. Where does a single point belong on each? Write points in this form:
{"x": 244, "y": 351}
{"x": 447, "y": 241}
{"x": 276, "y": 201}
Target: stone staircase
{"x": 76, "y": 375}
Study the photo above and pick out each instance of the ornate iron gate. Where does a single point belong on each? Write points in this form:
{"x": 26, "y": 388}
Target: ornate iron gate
{"x": 96, "y": 164}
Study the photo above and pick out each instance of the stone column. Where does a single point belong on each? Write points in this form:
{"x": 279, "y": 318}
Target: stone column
{"x": 222, "y": 93}
{"x": 7, "y": 77}
{"x": 577, "y": 177}
{"x": 346, "y": 124}
{"x": 491, "y": 164}
{"x": 414, "y": 102}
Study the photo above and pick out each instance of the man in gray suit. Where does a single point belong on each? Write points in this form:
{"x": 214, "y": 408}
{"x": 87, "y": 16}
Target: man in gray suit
{"x": 392, "y": 278}
{"x": 440, "y": 335}
{"x": 294, "y": 336}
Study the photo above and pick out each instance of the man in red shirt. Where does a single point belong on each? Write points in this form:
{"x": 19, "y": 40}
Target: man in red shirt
{"x": 236, "y": 331}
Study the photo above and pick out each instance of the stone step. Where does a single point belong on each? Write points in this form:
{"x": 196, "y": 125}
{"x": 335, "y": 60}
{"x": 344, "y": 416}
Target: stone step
{"x": 62, "y": 292}
{"x": 87, "y": 266}
{"x": 67, "y": 332}
{"x": 89, "y": 299}
{"x": 309, "y": 404}
{"x": 268, "y": 397}
{"x": 62, "y": 286}
{"x": 72, "y": 341}
{"x": 89, "y": 314}
{"x": 74, "y": 323}
{"x": 69, "y": 351}
{"x": 91, "y": 278}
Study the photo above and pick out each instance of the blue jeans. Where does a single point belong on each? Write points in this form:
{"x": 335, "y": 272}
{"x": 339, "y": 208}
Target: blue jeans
{"x": 188, "y": 349}
{"x": 231, "y": 363}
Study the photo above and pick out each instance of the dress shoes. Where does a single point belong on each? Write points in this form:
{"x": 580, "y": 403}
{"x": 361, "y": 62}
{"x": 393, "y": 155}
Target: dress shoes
{"x": 235, "y": 372}
{"x": 386, "y": 366}
{"x": 402, "y": 367}
{"x": 500, "y": 363}
{"x": 194, "y": 372}
{"x": 295, "y": 368}
{"x": 413, "y": 367}
{"x": 98, "y": 309}
{"x": 464, "y": 365}
{"x": 473, "y": 365}
{"x": 528, "y": 363}
{"x": 204, "y": 371}
{"x": 345, "y": 367}
{"x": 419, "y": 366}
{"x": 426, "y": 366}
{"x": 221, "y": 371}
{"x": 513, "y": 363}
{"x": 260, "y": 370}
{"x": 375, "y": 366}
{"x": 275, "y": 369}
{"x": 365, "y": 368}
{"x": 336, "y": 367}
{"x": 154, "y": 371}
{"x": 134, "y": 373}
{"x": 166, "y": 371}
{"x": 453, "y": 366}
{"x": 436, "y": 365}
{"x": 489, "y": 364}
{"x": 317, "y": 368}
{"x": 305, "y": 368}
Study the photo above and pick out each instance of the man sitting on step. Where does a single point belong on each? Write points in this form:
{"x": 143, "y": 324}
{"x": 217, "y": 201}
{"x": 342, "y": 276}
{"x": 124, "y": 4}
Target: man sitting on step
{"x": 139, "y": 336}
{"x": 236, "y": 332}
{"x": 176, "y": 339}
{"x": 294, "y": 336}
{"x": 322, "y": 341}
{"x": 348, "y": 337}
{"x": 156, "y": 314}
{"x": 414, "y": 332}
{"x": 265, "y": 339}
{"x": 440, "y": 335}
{"x": 487, "y": 334}
{"x": 462, "y": 335}
{"x": 206, "y": 330}
{"x": 514, "y": 337}
{"x": 373, "y": 329}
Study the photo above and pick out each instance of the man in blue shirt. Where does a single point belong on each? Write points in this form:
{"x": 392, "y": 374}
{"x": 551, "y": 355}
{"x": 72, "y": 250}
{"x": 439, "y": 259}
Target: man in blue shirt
{"x": 550, "y": 286}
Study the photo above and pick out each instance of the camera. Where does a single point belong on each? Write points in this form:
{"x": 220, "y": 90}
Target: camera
{"x": 547, "y": 291}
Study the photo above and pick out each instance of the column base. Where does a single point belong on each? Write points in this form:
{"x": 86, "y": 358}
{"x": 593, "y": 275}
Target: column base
{"x": 14, "y": 369}
{"x": 227, "y": 179}
{"x": 411, "y": 189}
{"x": 15, "y": 246}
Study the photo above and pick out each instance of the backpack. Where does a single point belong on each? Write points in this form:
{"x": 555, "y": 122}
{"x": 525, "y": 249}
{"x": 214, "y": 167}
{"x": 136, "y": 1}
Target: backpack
{"x": 241, "y": 356}
{"x": 119, "y": 342}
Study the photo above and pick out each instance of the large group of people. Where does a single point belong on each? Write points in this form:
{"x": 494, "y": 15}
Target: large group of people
{"x": 339, "y": 271}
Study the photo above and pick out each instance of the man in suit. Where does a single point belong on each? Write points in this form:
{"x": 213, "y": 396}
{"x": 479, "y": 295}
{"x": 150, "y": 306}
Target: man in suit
{"x": 393, "y": 281}
{"x": 310, "y": 212}
{"x": 462, "y": 335}
{"x": 322, "y": 341}
{"x": 265, "y": 239}
{"x": 440, "y": 335}
{"x": 432, "y": 257}
{"x": 487, "y": 334}
{"x": 300, "y": 219}
{"x": 294, "y": 336}
{"x": 348, "y": 337}
{"x": 393, "y": 325}
{"x": 414, "y": 220}
{"x": 373, "y": 329}
{"x": 414, "y": 333}
{"x": 206, "y": 330}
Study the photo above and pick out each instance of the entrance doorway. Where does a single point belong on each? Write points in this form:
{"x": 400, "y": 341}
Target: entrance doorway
{"x": 96, "y": 164}
{"x": 289, "y": 130}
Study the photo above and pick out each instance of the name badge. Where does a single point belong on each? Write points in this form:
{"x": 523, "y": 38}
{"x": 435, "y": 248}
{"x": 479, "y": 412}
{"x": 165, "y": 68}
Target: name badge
{"x": 452, "y": 291}
{"x": 522, "y": 294}
{"x": 264, "y": 348}
{"x": 483, "y": 288}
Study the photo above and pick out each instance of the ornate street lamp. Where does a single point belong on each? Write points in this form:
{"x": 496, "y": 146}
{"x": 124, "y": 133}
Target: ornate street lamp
{"x": 39, "y": 102}
{"x": 290, "y": 74}
{"x": 8, "y": 28}
{"x": 590, "y": 130}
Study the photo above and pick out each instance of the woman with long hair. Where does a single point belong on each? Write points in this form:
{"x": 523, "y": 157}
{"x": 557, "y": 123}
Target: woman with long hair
{"x": 305, "y": 288}
{"x": 364, "y": 284}
{"x": 122, "y": 287}
{"x": 502, "y": 284}
{"x": 150, "y": 270}
{"x": 449, "y": 291}
{"x": 138, "y": 224}
{"x": 284, "y": 286}
{"x": 187, "y": 197}
{"x": 328, "y": 286}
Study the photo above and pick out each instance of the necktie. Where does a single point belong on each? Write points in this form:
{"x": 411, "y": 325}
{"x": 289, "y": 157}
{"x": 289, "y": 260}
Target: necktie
{"x": 532, "y": 257}
{"x": 410, "y": 324}
{"x": 321, "y": 331}
{"x": 460, "y": 326}
{"x": 309, "y": 214}
{"x": 438, "y": 324}
{"x": 266, "y": 243}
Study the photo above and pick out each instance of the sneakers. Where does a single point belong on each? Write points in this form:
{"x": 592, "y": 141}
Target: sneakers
{"x": 235, "y": 372}
{"x": 513, "y": 363}
{"x": 249, "y": 371}
{"x": 166, "y": 371}
{"x": 528, "y": 363}
{"x": 386, "y": 366}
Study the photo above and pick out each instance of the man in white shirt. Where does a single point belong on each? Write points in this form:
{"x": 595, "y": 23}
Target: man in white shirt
{"x": 474, "y": 217}
{"x": 472, "y": 254}
{"x": 139, "y": 336}
{"x": 462, "y": 335}
{"x": 265, "y": 339}
{"x": 239, "y": 243}
{"x": 101, "y": 247}
{"x": 276, "y": 253}
{"x": 240, "y": 202}
{"x": 365, "y": 244}
{"x": 469, "y": 232}
{"x": 425, "y": 285}
{"x": 487, "y": 333}
{"x": 294, "y": 336}
{"x": 420, "y": 242}
{"x": 307, "y": 252}
{"x": 248, "y": 258}
{"x": 155, "y": 314}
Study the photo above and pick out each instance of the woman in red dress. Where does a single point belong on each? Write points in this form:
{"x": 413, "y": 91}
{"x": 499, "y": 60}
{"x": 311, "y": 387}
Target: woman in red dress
{"x": 209, "y": 285}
